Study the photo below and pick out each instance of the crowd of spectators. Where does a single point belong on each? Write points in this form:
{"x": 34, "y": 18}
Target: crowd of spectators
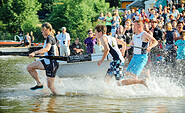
{"x": 163, "y": 23}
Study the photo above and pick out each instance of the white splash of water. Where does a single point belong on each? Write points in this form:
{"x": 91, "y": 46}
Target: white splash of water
{"x": 159, "y": 86}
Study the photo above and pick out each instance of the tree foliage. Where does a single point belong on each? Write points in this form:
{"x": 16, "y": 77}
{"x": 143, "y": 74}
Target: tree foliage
{"x": 77, "y": 16}
{"x": 16, "y": 14}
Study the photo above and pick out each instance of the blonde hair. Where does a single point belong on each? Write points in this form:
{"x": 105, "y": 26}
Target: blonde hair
{"x": 182, "y": 33}
{"x": 168, "y": 26}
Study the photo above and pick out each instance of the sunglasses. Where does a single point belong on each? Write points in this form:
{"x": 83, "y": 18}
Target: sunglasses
{"x": 90, "y": 33}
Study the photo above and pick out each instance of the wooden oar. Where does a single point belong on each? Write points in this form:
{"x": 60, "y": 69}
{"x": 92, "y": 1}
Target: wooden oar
{"x": 63, "y": 58}
{"x": 69, "y": 59}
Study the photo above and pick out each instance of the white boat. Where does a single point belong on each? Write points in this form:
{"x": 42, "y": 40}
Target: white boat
{"x": 86, "y": 68}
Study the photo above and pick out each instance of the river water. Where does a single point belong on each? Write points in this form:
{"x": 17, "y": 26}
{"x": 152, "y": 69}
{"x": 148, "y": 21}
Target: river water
{"x": 166, "y": 92}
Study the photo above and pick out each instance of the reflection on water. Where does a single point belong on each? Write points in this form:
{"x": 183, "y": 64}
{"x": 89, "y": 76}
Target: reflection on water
{"x": 85, "y": 94}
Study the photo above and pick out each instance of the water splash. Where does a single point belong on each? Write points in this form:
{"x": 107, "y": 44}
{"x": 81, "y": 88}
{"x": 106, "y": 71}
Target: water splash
{"x": 161, "y": 84}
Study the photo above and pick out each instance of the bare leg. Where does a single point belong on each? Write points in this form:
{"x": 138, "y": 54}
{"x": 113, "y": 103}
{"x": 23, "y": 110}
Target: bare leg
{"x": 134, "y": 81}
{"x": 50, "y": 82}
{"x": 32, "y": 70}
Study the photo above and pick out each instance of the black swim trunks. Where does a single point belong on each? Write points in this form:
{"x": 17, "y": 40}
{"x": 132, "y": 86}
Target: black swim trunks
{"x": 51, "y": 69}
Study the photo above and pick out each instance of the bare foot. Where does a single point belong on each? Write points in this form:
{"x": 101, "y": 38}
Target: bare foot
{"x": 145, "y": 84}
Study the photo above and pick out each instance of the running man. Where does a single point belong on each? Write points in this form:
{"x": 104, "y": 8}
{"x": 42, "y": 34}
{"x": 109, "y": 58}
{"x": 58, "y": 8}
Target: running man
{"x": 51, "y": 66}
{"x": 111, "y": 46}
{"x": 140, "y": 58}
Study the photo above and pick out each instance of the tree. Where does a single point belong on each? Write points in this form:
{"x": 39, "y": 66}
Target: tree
{"x": 77, "y": 16}
{"x": 19, "y": 14}
{"x": 114, "y": 3}
{"x": 46, "y": 8}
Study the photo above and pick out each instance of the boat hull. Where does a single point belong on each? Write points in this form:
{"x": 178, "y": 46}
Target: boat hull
{"x": 10, "y": 44}
{"x": 87, "y": 68}
{"x": 79, "y": 69}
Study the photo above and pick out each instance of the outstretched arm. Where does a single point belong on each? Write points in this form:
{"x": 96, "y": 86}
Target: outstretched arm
{"x": 41, "y": 51}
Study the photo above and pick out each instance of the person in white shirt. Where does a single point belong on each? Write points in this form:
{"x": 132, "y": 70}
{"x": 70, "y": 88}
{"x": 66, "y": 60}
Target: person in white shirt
{"x": 98, "y": 48}
{"x": 64, "y": 42}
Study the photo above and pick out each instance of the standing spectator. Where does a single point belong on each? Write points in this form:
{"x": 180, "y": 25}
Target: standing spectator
{"x": 21, "y": 36}
{"x": 125, "y": 17}
{"x": 58, "y": 33}
{"x": 57, "y": 42}
{"x": 169, "y": 44}
{"x": 174, "y": 12}
{"x": 138, "y": 16}
{"x": 171, "y": 17}
{"x": 174, "y": 25}
{"x": 181, "y": 53}
{"x": 160, "y": 9}
{"x": 129, "y": 15}
{"x": 27, "y": 40}
{"x": 143, "y": 14}
{"x": 64, "y": 41}
{"x": 161, "y": 20}
{"x": 146, "y": 27}
{"x": 108, "y": 20}
{"x": 101, "y": 18}
{"x": 137, "y": 9}
{"x": 152, "y": 14}
{"x": 165, "y": 16}
{"x": 180, "y": 9}
{"x": 157, "y": 34}
{"x": 129, "y": 34}
{"x": 133, "y": 14}
{"x": 118, "y": 19}
{"x": 113, "y": 26}
{"x": 120, "y": 34}
{"x": 181, "y": 47}
{"x": 179, "y": 29}
{"x": 148, "y": 13}
{"x": 76, "y": 48}
{"x": 90, "y": 42}
{"x": 32, "y": 38}
{"x": 98, "y": 48}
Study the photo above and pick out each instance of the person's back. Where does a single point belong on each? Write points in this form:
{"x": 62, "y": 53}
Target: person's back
{"x": 27, "y": 39}
{"x": 169, "y": 37}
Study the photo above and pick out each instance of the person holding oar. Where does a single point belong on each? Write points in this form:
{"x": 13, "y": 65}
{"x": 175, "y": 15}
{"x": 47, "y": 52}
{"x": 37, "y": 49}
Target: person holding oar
{"x": 50, "y": 65}
{"x": 142, "y": 43}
